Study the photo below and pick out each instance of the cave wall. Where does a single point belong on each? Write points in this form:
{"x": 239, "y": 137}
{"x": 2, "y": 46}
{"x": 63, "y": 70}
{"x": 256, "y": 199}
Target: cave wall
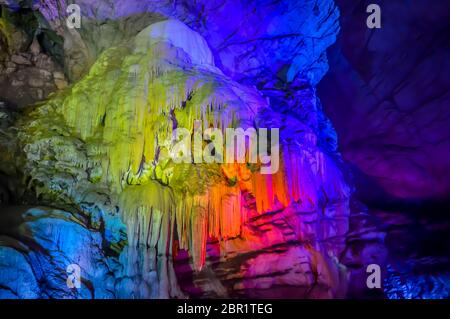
{"x": 387, "y": 93}
{"x": 83, "y": 186}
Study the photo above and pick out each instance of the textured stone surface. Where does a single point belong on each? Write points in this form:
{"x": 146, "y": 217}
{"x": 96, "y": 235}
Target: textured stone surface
{"x": 141, "y": 226}
{"x": 388, "y": 95}
{"x": 243, "y": 36}
{"x": 42, "y": 244}
{"x": 27, "y": 75}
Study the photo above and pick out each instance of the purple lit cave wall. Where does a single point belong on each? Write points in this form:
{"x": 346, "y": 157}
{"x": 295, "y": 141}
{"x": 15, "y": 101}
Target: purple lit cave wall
{"x": 95, "y": 204}
{"x": 388, "y": 95}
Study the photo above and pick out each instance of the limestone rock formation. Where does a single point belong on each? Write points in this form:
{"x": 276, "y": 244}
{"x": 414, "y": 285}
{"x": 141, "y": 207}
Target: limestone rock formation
{"x": 141, "y": 225}
{"x": 387, "y": 93}
{"x": 27, "y": 73}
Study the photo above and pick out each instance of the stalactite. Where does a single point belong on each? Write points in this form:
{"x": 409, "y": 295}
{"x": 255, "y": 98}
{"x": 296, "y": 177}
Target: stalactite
{"x": 125, "y": 111}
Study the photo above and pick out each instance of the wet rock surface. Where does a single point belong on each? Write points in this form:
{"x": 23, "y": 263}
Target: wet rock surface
{"x": 27, "y": 71}
{"x": 278, "y": 238}
{"x": 84, "y": 181}
{"x": 387, "y": 94}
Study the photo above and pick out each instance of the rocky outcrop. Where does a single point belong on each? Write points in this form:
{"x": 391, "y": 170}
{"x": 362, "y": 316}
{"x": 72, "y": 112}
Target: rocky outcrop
{"x": 40, "y": 244}
{"x": 149, "y": 226}
{"x": 387, "y": 93}
{"x": 27, "y": 73}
